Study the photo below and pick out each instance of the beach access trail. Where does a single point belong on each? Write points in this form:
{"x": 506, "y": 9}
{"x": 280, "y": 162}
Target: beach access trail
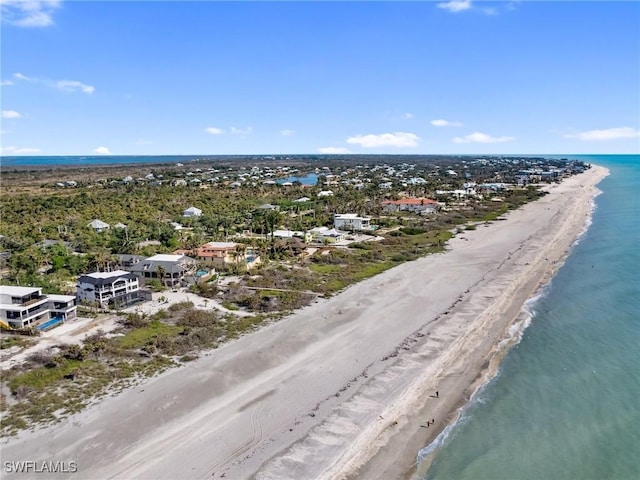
{"x": 338, "y": 389}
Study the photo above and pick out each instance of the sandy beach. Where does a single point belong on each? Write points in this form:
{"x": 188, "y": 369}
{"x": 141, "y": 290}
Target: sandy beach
{"x": 341, "y": 388}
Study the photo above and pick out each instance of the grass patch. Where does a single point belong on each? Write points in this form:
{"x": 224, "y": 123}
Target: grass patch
{"x": 148, "y": 335}
{"x": 324, "y": 269}
{"x": 41, "y": 377}
{"x": 8, "y": 342}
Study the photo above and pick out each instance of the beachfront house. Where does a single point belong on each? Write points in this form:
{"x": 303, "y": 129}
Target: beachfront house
{"x": 169, "y": 269}
{"x": 116, "y": 289}
{"x": 22, "y": 307}
{"x": 226, "y": 255}
{"x": 420, "y": 206}
{"x": 325, "y": 235}
{"x": 351, "y": 221}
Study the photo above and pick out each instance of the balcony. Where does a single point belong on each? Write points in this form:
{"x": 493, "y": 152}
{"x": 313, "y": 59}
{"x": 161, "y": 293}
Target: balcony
{"x": 33, "y": 300}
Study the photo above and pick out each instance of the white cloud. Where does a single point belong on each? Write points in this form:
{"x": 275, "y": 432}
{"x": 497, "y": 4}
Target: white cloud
{"x": 239, "y": 131}
{"x": 20, "y": 76}
{"x": 64, "y": 85}
{"x": 455, "y": 6}
{"x": 10, "y": 114}
{"x": 606, "y": 134}
{"x": 29, "y": 13}
{"x": 17, "y": 150}
{"x": 287, "y": 133}
{"x": 214, "y": 130}
{"x": 408, "y": 115}
{"x": 72, "y": 86}
{"x": 478, "y": 137}
{"x": 330, "y": 150}
{"x": 397, "y": 139}
{"x": 102, "y": 151}
{"x": 445, "y": 123}
{"x": 5, "y": 83}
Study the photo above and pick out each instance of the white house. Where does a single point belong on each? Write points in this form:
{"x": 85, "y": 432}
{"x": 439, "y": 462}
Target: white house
{"x": 326, "y": 235}
{"x": 98, "y": 225}
{"x": 192, "y": 212}
{"x": 325, "y": 193}
{"x": 421, "y": 206}
{"x": 284, "y": 234}
{"x": 351, "y": 221}
{"x": 22, "y": 307}
{"x": 109, "y": 289}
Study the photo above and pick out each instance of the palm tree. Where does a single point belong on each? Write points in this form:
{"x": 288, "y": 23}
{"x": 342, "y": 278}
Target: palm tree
{"x": 161, "y": 273}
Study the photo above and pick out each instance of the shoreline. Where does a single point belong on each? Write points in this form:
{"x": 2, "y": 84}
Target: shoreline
{"x": 486, "y": 372}
{"x": 338, "y": 389}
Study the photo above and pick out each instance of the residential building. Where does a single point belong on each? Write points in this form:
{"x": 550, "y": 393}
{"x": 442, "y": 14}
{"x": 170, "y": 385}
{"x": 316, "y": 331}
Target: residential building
{"x": 116, "y": 289}
{"x": 421, "y": 206}
{"x": 22, "y": 307}
{"x": 284, "y": 234}
{"x": 223, "y": 255}
{"x": 324, "y": 235}
{"x": 192, "y": 212}
{"x": 98, "y": 225}
{"x": 351, "y": 221}
{"x": 169, "y": 269}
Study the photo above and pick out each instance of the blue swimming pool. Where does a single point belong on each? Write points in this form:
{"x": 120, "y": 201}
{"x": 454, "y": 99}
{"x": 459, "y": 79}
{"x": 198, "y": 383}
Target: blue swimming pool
{"x": 54, "y": 322}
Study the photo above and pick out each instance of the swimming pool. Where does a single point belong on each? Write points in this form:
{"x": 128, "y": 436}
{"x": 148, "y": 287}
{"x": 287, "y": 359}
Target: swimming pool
{"x": 54, "y": 322}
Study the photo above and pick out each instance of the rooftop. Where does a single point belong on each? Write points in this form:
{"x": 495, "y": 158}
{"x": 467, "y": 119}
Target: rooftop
{"x": 18, "y": 291}
{"x": 115, "y": 273}
{"x": 220, "y": 245}
{"x": 165, "y": 258}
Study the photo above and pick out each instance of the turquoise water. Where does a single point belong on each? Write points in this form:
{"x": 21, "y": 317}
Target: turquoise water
{"x": 566, "y": 402}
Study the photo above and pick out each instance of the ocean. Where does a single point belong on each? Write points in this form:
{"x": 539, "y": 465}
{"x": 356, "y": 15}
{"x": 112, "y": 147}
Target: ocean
{"x": 565, "y": 404}
{"x": 79, "y": 161}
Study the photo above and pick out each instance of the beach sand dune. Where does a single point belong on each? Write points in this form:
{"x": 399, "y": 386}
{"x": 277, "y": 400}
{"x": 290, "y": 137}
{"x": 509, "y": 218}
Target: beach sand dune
{"x": 340, "y": 388}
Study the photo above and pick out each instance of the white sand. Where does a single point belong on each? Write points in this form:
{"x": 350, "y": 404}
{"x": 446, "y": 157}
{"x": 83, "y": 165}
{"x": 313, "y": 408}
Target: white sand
{"x": 317, "y": 394}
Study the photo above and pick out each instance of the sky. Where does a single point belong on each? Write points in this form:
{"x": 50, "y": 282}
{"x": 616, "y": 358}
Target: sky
{"x": 306, "y": 77}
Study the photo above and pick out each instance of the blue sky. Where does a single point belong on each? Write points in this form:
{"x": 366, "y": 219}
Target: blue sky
{"x": 152, "y": 78}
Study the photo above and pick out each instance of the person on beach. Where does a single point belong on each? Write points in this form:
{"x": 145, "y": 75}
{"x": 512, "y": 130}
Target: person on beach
{"x": 437, "y": 394}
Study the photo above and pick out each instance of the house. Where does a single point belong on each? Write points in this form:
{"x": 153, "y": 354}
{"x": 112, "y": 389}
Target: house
{"x": 325, "y": 193}
{"x": 120, "y": 226}
{"x": 421, "y": 206}
{"x": 22, "y": 307}
{"x": 222, "y": 255}
{"x": 192, "y": 212}
{"x": 169, "y": 269}
{"x": 302, "y": 200}
{"x": 117, "y": 289}
{"x": 98, "y": 225}
{"x": 284, "y": 234}
{"x": 325, "y": 235}
{"x": 351, "y": 221}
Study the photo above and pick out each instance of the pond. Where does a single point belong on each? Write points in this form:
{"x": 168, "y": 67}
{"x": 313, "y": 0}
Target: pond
{"x": 309, "y": 179}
